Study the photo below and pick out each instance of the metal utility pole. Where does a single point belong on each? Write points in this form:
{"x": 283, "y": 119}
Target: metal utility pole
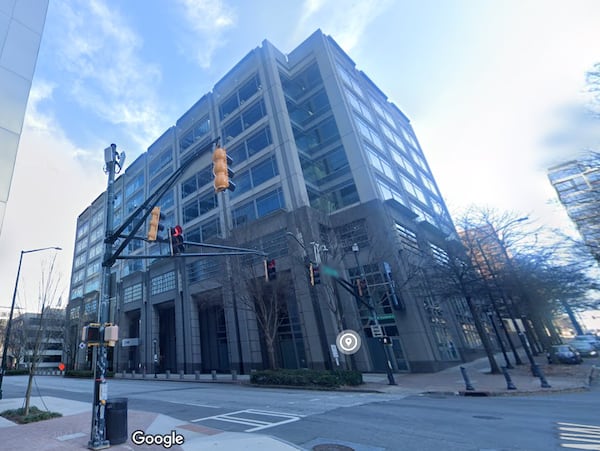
{"x": 388, "y": 368}
{"x": 98, "y": 432}
{"x": 10, "y": 316}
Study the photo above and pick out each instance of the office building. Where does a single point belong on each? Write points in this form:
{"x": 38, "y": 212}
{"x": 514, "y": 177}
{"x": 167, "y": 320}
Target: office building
{"x": 577, "y": 184}
{"x": 326, "y": 170}
{"x": 21, "y": 26}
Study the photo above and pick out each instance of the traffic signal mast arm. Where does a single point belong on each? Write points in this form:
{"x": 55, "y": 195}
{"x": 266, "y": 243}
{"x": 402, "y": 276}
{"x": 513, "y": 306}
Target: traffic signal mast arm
{"x": 148, "y": 204}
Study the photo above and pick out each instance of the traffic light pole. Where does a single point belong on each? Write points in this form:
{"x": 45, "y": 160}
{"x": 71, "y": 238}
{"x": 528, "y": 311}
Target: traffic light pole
{"x": 98, "y": 438}
{"x": 388, "y": 366}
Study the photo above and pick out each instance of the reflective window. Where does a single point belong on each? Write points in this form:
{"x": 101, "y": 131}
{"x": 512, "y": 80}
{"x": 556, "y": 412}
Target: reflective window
{"x": 162, "y": 160}
{"x": 349, "y": 80}
{"x": 198, "y": 131}
{"x": 379, "y": 163}
{"x": 239, "y": 97}
{"x": 369, "y": 133}
{"x": 136, "y": 183}
{"x": 269, "y": 203}
{"x": 199, "y": 206}
{"x": 167, "y": 201}
{"x": 257, "y": 174}
{"x": 358, "y": 105}
{"x": 302, "y": 83}
{"x": 245, "y": 120}
{"x": 197, "y": 181}
{"x": 243, "y": 214}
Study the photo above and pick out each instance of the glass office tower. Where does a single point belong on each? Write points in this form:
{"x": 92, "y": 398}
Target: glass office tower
{"x": 327, "y": 171}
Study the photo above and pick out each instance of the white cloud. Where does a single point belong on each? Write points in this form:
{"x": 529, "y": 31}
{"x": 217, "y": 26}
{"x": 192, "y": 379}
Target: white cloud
{"x": 208, "y": 20}
{"x": 346, "y": 25}
{"x": 50, "y": 188}
{"x": 105, "y": 73}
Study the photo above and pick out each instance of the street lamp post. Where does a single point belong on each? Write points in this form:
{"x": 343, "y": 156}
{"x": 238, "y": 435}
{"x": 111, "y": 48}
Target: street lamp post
{"x": 12, "y": 309}
{"x": 388, "y": 367}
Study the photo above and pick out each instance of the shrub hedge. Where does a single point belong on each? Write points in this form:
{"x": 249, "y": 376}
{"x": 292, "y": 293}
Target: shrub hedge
{"x": 307, "y": 378}
{"x": 20, "y": 372}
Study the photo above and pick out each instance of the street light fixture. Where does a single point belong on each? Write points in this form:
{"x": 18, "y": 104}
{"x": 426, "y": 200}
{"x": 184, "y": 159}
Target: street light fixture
{"x": 12, "y": 309}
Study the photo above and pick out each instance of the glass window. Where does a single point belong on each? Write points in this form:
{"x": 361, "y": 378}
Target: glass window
{"x": 162, "y": 283}
{"x": 253, "y": 114}
{"x": 248, "y": 89}
{"x": 136, "y": 183}
{"x": 199, "y": 130}
{"x": 190, "y": 211}
{"x": 258, "y": 141}
{"x": 244, "y": 214}
{"x": 269, "y": 203}
{"x": 233, "y": 129}
{"x": 211, "y": 228}
{"x": 264, "y": 171}
{"x": 243, "y": 183}
{"x": 189, "y": 186}
{"x": 162, "y": 160}
{"x": 229, "y": 105}
{"x": 167, "y": 201}
{"x": 207, "y": 202}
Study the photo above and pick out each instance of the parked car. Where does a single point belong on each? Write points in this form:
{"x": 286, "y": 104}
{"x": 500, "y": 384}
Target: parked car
{"x": 585, "y": 348}
{"x": 563, "y": 354}
{"x": 592, "y": 339}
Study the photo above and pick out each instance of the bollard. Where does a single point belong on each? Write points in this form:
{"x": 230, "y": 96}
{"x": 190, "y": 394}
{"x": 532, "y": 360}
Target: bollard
{"x": 168, "y": 374}
{"x": 144, "y": 374}
{"x": 543, "y": 382}
{"x": 509, "y": 382}
{"x": 468, "y": 384}
{"x": 214, "y": 375}
{"x": 181, "y": 374}
{"x": 234, "y": 375}
{"x": 133, "y": 374}
{"x": 197, "y": 375}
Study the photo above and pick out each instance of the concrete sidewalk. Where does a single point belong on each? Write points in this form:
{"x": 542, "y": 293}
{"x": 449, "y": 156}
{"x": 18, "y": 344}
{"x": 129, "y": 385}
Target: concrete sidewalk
{"x": 72, "y": 431}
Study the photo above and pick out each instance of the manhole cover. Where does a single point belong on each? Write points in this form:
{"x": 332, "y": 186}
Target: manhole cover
{"x": 332, "y": 447}
{"x": 486, "y": 417}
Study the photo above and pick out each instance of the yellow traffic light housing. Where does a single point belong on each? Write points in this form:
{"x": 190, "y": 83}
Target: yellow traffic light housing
{"x": 221, "y": 170}
{"x": 155, "y": 217}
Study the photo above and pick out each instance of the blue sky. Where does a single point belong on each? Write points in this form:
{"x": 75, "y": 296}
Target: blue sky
{"x": 481, "y": 82}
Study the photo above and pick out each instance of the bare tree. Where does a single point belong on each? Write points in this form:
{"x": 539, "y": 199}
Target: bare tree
{"x": 49, "y": 297}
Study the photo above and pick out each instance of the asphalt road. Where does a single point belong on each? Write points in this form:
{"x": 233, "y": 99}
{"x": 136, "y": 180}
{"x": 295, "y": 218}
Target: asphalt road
{"x": 361, "y": 421}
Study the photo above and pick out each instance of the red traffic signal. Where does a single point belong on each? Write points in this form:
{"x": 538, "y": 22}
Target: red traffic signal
{"x": 270, "y": 270}
{"x": 176, "y": 237}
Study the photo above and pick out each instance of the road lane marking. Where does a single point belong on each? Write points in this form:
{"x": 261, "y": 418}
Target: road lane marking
{"x": 587, "y": 436}
{"x": 240, "y": 417}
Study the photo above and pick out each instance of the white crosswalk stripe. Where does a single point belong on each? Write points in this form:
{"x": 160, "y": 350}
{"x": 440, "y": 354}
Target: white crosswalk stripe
{"x": 248, "y": 417}
{"x": 579, "y": 436}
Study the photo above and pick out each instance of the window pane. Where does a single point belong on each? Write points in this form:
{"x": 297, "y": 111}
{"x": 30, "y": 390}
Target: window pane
{"x": 232, "y": 129}
{"x": 244, "y": 214}
{"x": 228, "y": 106}
{"x": 253, "y": 114}
{"x": 269, "y": 203}
{"x": 188, "y": 186}
{"x": 264, "y": 171}
{"x": 190, "y": 211}
{"x": 242, "y": 184}
{"x": 207, "y": 203}
{"x": 259, "y": 141}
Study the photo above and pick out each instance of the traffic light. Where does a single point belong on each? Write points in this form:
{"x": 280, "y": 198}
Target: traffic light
{"x": 155, "y": 226}
{"x": 315, "y": 274}
{"x": 270, "y": 270}
{"x": 177, "y": 246}
{"x": 221, "y": 170}
{"x": 361, "y": 287}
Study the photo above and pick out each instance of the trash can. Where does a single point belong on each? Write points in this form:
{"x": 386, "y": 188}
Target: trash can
{"x": 116, "y": 420}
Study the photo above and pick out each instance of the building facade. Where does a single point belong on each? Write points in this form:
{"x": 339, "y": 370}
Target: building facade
{"x": 326, "y": 170}
{"x": 21, "y": 26}
{"x": 38, "y": 337}
{"x": 577, "y": 184}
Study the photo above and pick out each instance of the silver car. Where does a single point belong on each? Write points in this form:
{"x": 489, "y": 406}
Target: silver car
{"x": 591, "y": 339}
{"x": 585, "y": 348}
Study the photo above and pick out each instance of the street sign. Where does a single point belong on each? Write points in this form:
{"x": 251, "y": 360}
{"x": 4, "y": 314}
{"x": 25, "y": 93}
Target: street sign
{"x": 126, "y": 342}
{"x": 329, "y": 271}
{"x": 390, "y": 316}
{"x": 376, "y": 331}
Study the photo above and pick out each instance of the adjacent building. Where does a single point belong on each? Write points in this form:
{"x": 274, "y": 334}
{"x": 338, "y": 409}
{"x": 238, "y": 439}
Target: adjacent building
{"x": 577, "y": 184}
{"x": 21, "y": 26}
{"x": 326, "y": 170}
